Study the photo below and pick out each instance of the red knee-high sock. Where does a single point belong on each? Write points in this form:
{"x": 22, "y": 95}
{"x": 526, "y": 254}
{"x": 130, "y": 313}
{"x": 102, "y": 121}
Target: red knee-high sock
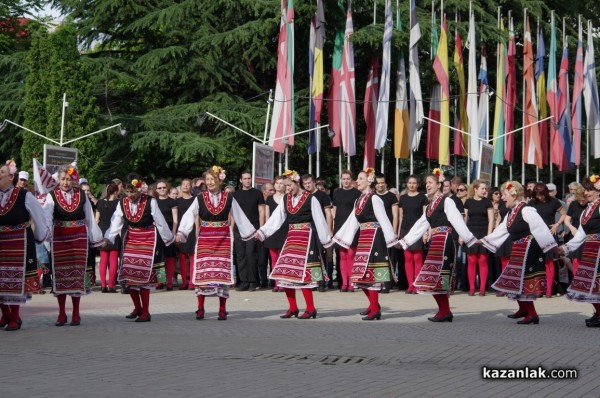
{"x": 135, "y": 297}
{"x": 170, "y": 269}
{"x": 596, "y": 308}
{"x": 373, "y": 302}
{"x": 522, "y": 307}
{"x": 274, "y": 254}
{"x": 222, "y": 305}
{"x": 575, "y": 266}
{"x": 62, "y": 300}
{"x": 504, "y": 261}
{"x": 438, "y": 301}
{"x": 183, "y": 268}
{"x": 445, "y": 300}
{"x": 531, "y": 309}
{"x": 113, "y": 261}
{"x": 104, "y": 255}
{"x": 14, "y": 313}
{"x": 291, "y": 297}
{"x": 418, "y": 256}
{"x": 145, "y": 296}
{"x": 76, "y": 301}
{"x": 471, "y": 271}
{"x": 5, "y": 313}
{"x": 549, "y": 276}
{"x": 482, "y": 260}
{"x": 201, "y": 299}
{"x": 308, "y": 297}
{"x": 409, "y": 268}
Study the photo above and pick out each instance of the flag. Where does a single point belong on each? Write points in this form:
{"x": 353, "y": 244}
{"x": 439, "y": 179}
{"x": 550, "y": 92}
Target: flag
{"x": 414, "y": 84}
{"x": 383, "y": 106}
{"x": 440, "y": 67}
{"x": 498, "y": 131}
{"x": 334, "y": 99}
{"x": 282, "y": 122}
{"x": 433, "y": 127}
{"x": 510, "y": 95}
{"x": 541, "y": 94}
{"x": 484, "y": 99}
{"x": 460, "y": 138}
{"x": 564, "y": 136}
{"x": 532, "y": 150}
{"x": 552, "y": 96}
{"x": 472, "y": 106}
{"x": 576, "y": 105}
{"x": 370, "y": 111}
{"x": 347, "y": 93}
{"x": 43, "y": 181}
{"x": 317, "y": 41}
{"x": 401, "y": 145}
{"x": 590, "y": 95}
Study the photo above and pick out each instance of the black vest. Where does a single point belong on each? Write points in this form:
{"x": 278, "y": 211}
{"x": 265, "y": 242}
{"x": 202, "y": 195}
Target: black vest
{"x": 146, "y": 219}
{"x": 61, "y": 213}
{"x": 17, "y": 214}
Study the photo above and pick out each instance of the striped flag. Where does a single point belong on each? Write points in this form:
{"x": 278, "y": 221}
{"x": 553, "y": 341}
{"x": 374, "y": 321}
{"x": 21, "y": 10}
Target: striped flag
{"x": 564, "y": 111}
{"x": 370, "y": 111}
{"x": 510, "y": 95}
{"x": 484, "y": 99}
{"x": 334, "y": 99}
{"x": 401, "y": 145}
{"x": 440, "y": 67}
{"x": 282, "y": 122}
{"x": 532, "y": 149}
{"x": 460, "y": 139}
{"x": 414, "y": 84}
{"x": 498, "y": 130}
{"x": 472, "y": 106}
{"x": 576, "y": 105}
{"x": 540, "y": 77}
{"x": 317, "y": 41}
{"x": 590, "y": 95}
{"x": 347, "y": 92}
{"x": 433, "y": 128}
{"x": 43, "y": 181}
{"x": 552, "y": 95}
{"x": 383, "y": 106}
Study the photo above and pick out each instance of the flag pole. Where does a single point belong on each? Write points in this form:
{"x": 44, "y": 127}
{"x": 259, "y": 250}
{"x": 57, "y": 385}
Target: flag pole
{"x": 523, "y": 113}
{"x": 318, "y": 137}
{"x": 552, "y": 125}
{"x": 498, "y": 24}
{"x": 467, "y": 127}
{"x": 412, "y": 159}
{"x": 340, "y": 163}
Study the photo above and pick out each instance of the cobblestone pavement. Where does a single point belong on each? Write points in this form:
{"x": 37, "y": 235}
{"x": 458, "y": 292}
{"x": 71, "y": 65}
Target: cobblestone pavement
{"x": 256, "y": 354}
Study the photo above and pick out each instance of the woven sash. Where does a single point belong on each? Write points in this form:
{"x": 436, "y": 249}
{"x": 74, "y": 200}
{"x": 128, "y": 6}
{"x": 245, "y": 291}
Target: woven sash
{"x": 586, "y": 278}
{"x": 213, "y": 263}
{"x": 138, "y": 255}
{"x": 360, "y": 270}
{"x": 515, "y": 279}
{"x": 430, "y": 277}
{"x": 13, "y": 243}
{"x": 69, "y": 257}
{"x": 291, "y": 264}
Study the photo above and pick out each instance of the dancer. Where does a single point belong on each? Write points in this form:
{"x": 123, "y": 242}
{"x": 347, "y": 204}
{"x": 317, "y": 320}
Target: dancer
{"x": 169, "y": 210}
{"x": 523, "y": 279}
{"x": 18, "y": 265}
{"x": 71, "y": 214}
{"x": 372, "y": 266}
{"x": 142, "y": 263}
{"x": 213, "y": 261}
{"x": 300, "y": 264}
{"x": 109, "y": 255}
{"x": 275, "y": 242}
{"x": 437, "y": 272}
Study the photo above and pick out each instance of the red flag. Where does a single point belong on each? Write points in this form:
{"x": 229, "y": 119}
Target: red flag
{"x": 511, "y": 95}
{"x": 532, "y": 147}
{"x": 370, "y": 112}
{"x": 433, "y": 129}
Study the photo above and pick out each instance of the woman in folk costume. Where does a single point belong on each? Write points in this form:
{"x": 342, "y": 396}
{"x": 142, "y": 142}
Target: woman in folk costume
{"x": 70, "y": 213}
{"x": 585, "y": 287}
{"x": 442, "y": 217}
{"x": 371, "y": 263}
{"x": 18, "y": 265}
{"x": 213, "y": 261}
{"x": 523, "y": 279}
{"x": 142, "y": 265}
{"x": 299, "y": 265}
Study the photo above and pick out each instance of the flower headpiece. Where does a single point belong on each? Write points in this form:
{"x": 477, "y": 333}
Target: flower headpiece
{"x": 439, "y": 174}
{"x": 12, "y": 166}
{"x": 72, "y": 171}
{"x": 219, "y": 171}
{"x": 370, "y": 172}
{"x": 137, "y": 184}
{"x": 511, "y": 189}
{"x": 292, "y": 175}
{"x": 595, "y": 179}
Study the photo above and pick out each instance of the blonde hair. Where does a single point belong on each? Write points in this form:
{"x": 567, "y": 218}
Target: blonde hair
{"x": 514, "y": 185}
{"x": 476, "y": 184}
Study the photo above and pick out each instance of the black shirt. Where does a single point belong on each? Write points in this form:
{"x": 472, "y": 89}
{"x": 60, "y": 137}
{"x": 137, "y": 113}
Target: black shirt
{"x": 343, "y": 200}
{"x": 249, "y": 200}
{"x": 389, "y": 200}
{"x": 166, "y": 208}
{"x": 547, "y": 210}
{"x": 412, "y": 209}
{"x": 323, "y": 199}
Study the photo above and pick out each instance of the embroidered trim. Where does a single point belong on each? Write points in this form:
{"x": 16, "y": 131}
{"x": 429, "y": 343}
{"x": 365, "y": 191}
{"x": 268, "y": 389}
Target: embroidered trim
{"x": 370, "y": 225}
{"x": 294, "y": 209}
{"x": 587, "y": 214}
{"x": 440, "y": 230}
{"x": 214, "y": 223}
{"x": 220, "y": 206}
{"x": 362, "y": 202}
{"x": 11, "y": 201}
{"x": 60, "y": 199}
{"x": 67, "y": 224}
{"x": 513, "y": 214}
{"x": 140, "y": 210}
{"x": 433, "y": 205}
{"x": 6, "y": 228}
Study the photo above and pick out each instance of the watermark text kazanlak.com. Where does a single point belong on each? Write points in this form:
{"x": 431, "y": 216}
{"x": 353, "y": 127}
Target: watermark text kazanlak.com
{"x": 533, "y": 373}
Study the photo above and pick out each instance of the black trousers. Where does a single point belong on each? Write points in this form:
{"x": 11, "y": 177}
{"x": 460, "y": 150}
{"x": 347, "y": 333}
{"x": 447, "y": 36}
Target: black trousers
{"x": 246, "y": 253}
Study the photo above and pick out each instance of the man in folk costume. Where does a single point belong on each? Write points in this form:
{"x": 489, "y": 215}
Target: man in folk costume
{"x": 139, "y": 219}
{"x": 18, "y": 276}
{"x": 300, "y": 263}
{"x": 70, "y": 213}
{"x": 371, "y": 268}
{"x": 213, "y": 261}
{"x": 441, "y": 217}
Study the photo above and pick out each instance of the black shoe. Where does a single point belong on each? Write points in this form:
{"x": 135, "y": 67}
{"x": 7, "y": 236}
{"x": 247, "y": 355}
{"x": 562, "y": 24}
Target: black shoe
{"x": 134, "y": 314}
{"x": 385, "y": 290}
{"x": 376, "y": 315}
{"x": 104, "y": 290}
{"x": 594, "y": 318}
{"x": 289, "y": 314}
{"x": 446, "y": 318}
{"x": 308, "y": 315}
{"x": 147, "y": 318}
{"x": 252, "y": 287}
{"x": 518, "y": 314}
{"x": 112, "y": 290}
{"x": 321, "y": 289}
{"x": 222, "y": 316}
{"x": 528, "y": 320}
{"x": 242, "y": 287}
{"x": 199, "y": 315}
{"x": 61, "y": 321}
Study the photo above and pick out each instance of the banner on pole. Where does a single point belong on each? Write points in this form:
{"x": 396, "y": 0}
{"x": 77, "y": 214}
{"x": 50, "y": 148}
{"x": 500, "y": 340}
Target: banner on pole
{"x": 263, "y": 164}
